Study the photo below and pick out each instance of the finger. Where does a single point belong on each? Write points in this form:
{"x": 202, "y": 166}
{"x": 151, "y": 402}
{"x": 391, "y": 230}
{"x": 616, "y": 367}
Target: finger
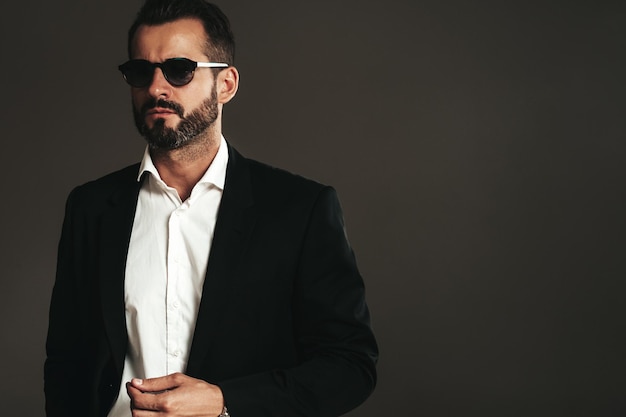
{"x": 143, "y": 400}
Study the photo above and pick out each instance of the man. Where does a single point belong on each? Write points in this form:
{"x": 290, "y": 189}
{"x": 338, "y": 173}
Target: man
{"x": 201, "y": 283}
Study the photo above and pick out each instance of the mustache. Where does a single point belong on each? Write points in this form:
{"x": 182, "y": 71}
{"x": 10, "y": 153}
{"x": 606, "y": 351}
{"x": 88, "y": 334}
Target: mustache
{"x": 164, "y": 104}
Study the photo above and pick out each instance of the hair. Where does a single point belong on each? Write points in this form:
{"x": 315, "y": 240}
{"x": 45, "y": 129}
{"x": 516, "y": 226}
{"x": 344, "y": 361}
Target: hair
{"x": 220, "y": 44}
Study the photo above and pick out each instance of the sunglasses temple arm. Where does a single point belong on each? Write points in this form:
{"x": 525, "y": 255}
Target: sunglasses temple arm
{"x": 212, "y": 65}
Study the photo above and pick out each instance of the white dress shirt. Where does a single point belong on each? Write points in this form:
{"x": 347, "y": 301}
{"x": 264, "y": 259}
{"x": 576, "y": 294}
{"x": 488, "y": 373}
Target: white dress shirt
{"x": 165, "y": 270}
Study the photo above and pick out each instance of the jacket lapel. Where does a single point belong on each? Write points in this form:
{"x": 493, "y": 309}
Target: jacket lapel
{"x": 116, "y": 228}
{"x": 234, "y": 224}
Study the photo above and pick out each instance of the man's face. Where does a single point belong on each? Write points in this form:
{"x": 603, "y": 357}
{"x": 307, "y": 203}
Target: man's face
{"x": 167, "y": 116}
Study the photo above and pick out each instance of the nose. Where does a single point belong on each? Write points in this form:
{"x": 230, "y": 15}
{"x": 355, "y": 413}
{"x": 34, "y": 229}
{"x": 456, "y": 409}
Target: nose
{"x": 159, "y": 87}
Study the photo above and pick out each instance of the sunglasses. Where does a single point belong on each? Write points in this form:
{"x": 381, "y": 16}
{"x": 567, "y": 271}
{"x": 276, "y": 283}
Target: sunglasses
{"x": 177, "y": 71}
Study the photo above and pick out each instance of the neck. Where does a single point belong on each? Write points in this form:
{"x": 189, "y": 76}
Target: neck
{"x": 182, "y": 168}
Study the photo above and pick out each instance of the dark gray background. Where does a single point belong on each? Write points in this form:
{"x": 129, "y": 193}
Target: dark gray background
{"x": 477, "y": 148}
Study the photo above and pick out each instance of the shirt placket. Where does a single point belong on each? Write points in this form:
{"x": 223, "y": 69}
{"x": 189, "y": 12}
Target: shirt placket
{"x": 175, "y": 271}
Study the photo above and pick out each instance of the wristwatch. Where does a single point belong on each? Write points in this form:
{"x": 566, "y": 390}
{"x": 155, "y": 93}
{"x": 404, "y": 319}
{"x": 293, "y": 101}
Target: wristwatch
{"x": 224, "y": 413}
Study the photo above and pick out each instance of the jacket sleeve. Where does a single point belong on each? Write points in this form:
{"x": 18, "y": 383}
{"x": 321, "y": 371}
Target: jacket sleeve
{"x": 63, "y": 346}
{"x": 335, "y": 344}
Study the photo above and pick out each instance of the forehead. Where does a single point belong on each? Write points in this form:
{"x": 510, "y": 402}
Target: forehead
{"x": 180, "y": 38}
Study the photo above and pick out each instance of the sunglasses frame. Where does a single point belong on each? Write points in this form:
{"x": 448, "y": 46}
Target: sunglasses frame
{"x": 126, "y": 67}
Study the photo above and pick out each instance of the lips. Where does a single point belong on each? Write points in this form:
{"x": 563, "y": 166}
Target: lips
{"x": 160, "y": 111}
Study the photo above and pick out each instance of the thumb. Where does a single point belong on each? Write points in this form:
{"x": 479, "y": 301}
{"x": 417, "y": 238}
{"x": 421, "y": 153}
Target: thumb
{"x": 154, "y": 385}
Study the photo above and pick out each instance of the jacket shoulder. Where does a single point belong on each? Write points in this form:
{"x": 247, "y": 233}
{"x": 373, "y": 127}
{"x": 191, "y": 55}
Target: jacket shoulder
{"x": 276, "y": 180}
{"x": 103, "y": 188}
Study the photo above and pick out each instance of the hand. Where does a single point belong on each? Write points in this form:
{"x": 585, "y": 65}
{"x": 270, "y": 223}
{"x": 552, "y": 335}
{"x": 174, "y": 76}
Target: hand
{"x": 175, "y": 395}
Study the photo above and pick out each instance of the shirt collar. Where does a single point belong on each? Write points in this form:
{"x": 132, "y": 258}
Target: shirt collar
{"x": 215, "y": 174}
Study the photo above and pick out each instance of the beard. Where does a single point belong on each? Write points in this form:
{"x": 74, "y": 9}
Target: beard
{"x": 190, "y": 127}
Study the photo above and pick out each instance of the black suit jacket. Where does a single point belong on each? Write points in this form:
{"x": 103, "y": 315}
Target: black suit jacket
{"x": 282, "y": 328}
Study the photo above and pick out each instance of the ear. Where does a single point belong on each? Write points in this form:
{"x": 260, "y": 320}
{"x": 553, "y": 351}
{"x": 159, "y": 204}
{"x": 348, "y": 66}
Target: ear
{"x": 227, "y": 84}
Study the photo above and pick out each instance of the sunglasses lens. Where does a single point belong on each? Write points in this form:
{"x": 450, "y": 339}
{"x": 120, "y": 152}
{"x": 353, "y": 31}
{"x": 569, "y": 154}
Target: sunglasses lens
{"x": 178, "y": 71}
{"x": 138, "y": 72}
